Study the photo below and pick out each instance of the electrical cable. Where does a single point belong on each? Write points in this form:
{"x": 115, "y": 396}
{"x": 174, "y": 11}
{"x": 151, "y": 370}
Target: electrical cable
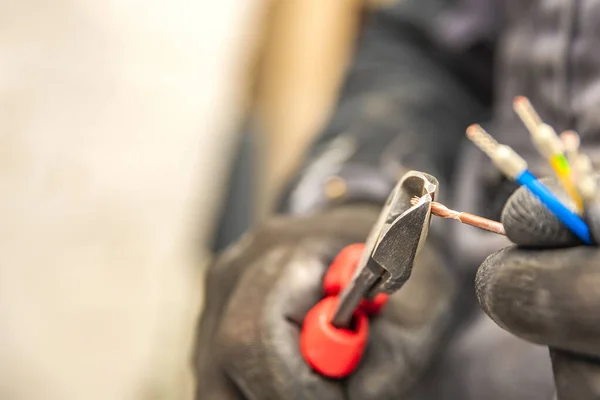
{"x": 515, "y": 167}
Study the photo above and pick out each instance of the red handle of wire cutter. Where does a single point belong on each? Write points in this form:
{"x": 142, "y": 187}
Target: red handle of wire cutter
{"x": 331, "y": 351}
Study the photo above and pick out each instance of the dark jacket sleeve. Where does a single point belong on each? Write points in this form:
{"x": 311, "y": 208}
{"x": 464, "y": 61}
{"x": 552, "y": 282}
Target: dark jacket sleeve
{"x": 420, "y": 75}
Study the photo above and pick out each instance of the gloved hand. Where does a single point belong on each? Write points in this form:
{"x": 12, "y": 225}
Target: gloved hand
{"x": 259, "y": 291}
{"x": 547, "y": 290}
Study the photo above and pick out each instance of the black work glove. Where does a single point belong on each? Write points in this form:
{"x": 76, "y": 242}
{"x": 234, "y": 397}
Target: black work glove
{"x": 259, "y": 291}
{"x": 546, "y": 290}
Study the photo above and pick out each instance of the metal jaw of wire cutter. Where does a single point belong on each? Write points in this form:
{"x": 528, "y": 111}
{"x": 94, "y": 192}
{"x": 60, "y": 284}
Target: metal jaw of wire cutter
{"x": 392, "y": 245}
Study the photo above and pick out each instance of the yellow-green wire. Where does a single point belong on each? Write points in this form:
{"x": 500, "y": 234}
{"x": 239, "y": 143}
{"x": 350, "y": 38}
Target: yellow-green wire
{"x": 562, "y": 169}
{"x": 550, "y": 146}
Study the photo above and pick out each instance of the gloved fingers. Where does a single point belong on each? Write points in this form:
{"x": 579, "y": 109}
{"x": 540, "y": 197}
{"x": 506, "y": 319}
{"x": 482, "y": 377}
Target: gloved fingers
{"x": 529, "y": 223}
{"x": 222, "y": 277}
{"x": 404, "y": 338}
{"x": 300, "y": 286}
{"x": 258, "y": 293}
{"x": 547, "y": 296}
{"x": 259, "y": 335}
{"x": 215, "y": 385}
{"x": 348, "y": 224}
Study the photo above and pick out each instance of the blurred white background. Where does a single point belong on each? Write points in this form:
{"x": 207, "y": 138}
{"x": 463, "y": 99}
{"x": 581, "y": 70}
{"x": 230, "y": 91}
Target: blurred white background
{"x": 118, "y": 120}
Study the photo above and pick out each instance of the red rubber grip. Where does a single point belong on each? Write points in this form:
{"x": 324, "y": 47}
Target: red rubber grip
{"x": 332, "y": 352}
{"x": 340, "y": 274}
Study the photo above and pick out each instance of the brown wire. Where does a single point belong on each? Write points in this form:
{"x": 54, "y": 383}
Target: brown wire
{"x": 442, "y": 211}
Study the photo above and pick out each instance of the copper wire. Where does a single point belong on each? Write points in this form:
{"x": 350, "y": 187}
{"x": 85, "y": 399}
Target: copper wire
{"x": 482, "y": 139}
{"x": 442, "y": 211}
{"x": 527, "y": 113}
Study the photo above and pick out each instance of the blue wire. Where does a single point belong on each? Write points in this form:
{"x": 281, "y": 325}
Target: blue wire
{"x": 566, "y": 216}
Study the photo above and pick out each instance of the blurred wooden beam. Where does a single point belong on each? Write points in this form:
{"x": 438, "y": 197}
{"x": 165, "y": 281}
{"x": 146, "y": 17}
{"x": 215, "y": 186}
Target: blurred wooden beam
{"x": 306, "y": 51}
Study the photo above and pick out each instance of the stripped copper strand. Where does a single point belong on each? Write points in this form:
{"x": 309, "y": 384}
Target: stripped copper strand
{"x": 442, "y": 211}
{"x": 527, "y": 113}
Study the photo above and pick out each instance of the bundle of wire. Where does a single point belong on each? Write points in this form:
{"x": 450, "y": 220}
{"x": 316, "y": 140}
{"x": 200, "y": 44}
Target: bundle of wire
{"x": 573, "y": 170}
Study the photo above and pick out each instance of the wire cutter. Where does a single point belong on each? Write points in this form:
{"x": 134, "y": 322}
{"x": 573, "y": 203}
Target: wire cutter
{"x": 335, "y": 331}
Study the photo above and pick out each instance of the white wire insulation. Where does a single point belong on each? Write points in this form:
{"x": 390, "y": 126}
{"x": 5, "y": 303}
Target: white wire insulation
{"x": 504, "y": 157}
